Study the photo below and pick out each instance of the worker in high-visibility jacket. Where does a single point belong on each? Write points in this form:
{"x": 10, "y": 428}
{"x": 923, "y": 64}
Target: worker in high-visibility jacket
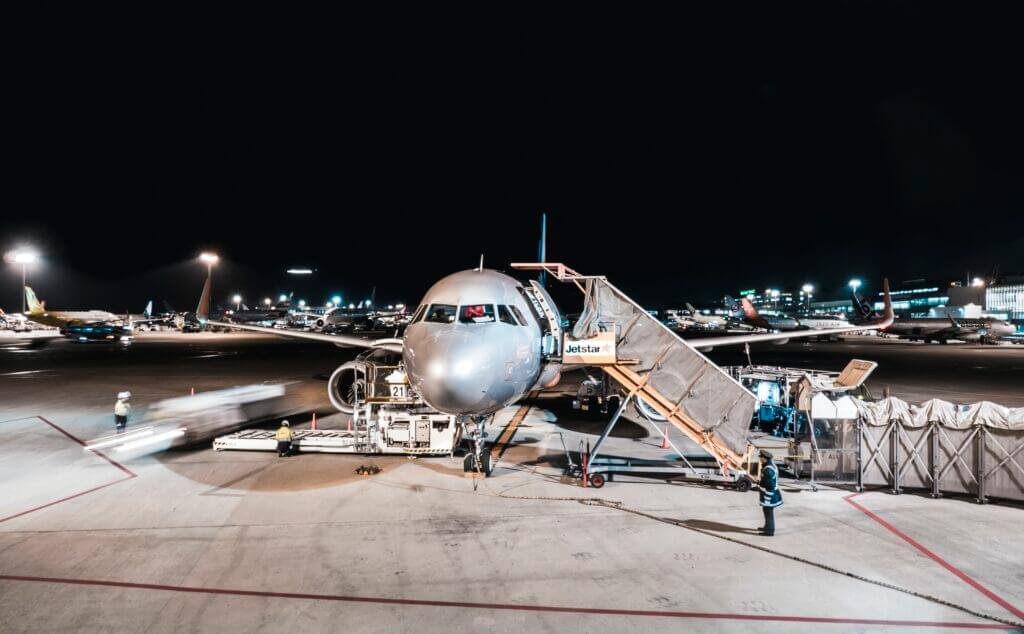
{"x": 770, "y": 494}
{"x": 121, "y": 411}
{"x": 284, "y": 439}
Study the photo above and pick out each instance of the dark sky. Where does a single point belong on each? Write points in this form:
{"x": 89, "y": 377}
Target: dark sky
{"x": 684, "y": 155}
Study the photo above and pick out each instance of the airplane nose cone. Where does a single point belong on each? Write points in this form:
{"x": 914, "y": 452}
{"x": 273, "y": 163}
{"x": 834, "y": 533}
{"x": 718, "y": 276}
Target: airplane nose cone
{"x": 457, "y": 375}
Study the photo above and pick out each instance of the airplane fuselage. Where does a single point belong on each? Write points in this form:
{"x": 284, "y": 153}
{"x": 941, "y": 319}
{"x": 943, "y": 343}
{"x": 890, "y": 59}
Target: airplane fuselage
{"x": 969, "y": 330}
{"x": 63, "y": 319}
{"x": 474, "y": 344}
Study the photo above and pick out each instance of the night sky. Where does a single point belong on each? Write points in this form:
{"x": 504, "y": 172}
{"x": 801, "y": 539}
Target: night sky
{"x": 684, "y": 156}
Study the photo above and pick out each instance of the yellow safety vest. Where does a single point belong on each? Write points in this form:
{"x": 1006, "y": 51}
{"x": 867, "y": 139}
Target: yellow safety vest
{"x": 121, "y": 408}
{"x": 283, "y": 433}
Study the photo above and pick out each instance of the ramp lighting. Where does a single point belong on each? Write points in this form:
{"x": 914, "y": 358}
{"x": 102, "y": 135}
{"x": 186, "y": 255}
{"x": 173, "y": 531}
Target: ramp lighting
{"x": 336, "y": 300}
{"x": 282, "y": 297}
{"x": 854, "y": 284}
{"x": 237, "y": 299}
{"x": 328, "y": 305}
{"x": 300, "y": 271}
{"x": 266, "y": 301}
{"x": 808, "y": 288}
{"x": 302, "y": 303}
{"x": 209, "y": 258}
{"x": 351, "y": 306}
{"x": 977, "y": 282}
{"x": 24, "y": 257}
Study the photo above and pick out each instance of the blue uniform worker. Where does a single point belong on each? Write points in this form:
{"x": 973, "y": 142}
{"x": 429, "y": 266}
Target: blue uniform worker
{"x": 770, "y": 494}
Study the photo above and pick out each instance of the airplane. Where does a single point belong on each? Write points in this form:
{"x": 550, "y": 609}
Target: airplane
{"x": 83, "y": 325}
{"x": 821, "y": 322}
{"x": 779, "y": 323}
{"x": 16, "y": 322}
{"x": 475, "y": 345}
{"x": 707, "y": 321}
{"x": 928, "y": 329}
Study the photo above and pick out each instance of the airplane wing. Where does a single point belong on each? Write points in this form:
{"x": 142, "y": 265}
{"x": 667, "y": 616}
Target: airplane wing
{"x": 714, "y": 342}
{"x": 203, "y": 311}
{"x": 345, "y": 341}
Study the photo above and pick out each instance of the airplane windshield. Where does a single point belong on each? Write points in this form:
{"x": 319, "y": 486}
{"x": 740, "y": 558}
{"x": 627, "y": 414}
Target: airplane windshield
{"x": 418, "y": 315}
{"x": 505, "y": 316}
{"x": 476, "y": 314}
{"x": 441, "y": 313}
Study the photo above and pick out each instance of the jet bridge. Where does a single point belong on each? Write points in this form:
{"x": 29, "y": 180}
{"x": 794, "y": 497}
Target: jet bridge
{"x": 651, "y": 362}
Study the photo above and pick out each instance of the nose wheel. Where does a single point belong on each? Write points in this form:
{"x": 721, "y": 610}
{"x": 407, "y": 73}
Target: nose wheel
{"x": 472, "y": 461}
{"x": 478, "y": 460}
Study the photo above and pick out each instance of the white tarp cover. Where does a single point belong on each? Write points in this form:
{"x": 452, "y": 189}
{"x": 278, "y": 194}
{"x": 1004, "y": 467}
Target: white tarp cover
{"x": 947, "y": 414}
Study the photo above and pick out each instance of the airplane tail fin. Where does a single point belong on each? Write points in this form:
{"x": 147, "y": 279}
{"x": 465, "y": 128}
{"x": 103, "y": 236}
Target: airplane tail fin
{"x": 203, "y": 309}
{"x": 888, "y": 316}
{"x": 689, "y": 307}
{"x": 34, "y": 305}
{"x": 862, "y": 308}
{"x": 149, "y": 309}
{"x": 748, "y": 309}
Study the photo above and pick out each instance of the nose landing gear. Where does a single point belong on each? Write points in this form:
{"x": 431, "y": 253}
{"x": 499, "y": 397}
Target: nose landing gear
{"x": 478, "y": 460}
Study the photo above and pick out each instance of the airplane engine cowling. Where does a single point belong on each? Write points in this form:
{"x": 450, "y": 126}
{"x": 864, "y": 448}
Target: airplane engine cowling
{"x": 346, "y": 384}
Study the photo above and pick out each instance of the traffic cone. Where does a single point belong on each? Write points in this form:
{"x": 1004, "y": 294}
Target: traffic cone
{"x": 313, "y": 426}
{"x": 192, "y": 391}
{"x": 664, "y": 439}
{"x": 350, "y": 424}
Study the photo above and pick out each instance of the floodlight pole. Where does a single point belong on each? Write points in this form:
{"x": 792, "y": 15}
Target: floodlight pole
{"x": 24, "y": 302}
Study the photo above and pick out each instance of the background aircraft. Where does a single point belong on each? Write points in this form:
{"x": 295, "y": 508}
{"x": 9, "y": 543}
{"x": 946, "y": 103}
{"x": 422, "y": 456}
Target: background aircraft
{"x": 753, "y": 318}
{"x": 81, "y": 325}
{"x": 928, "y": 329}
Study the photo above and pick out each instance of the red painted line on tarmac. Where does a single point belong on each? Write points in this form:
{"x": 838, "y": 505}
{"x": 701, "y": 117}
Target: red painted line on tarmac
{"x": 130, "y": 474}
{"x": 505, "y": 606}
{"x": 937, "y": 559}
{"x": 65, "y": 499}
{"x": 81, "y": 442}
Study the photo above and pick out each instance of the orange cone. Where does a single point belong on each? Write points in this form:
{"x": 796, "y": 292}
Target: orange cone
{"x": 664, "y": 439}
{"x": 350, "y": 424}
{"x": 313, "y": 427}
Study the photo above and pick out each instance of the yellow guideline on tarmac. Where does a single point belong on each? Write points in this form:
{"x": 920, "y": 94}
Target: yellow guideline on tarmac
{"x": 510, "y": 429}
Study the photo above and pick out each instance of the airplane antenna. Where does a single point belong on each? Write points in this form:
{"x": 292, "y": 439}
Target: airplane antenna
{"x": 542, "y": 248}
{"x": 481, "y": 267}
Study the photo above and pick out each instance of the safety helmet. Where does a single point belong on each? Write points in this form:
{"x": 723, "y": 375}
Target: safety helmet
{"x": 124, "y": 395}
{"x": 284, "y": 423}
{"x": 765, "y": 454}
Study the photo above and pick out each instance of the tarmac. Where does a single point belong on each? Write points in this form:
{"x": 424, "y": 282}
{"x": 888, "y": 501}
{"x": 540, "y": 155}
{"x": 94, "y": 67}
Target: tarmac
{"x": 199, "y": 540}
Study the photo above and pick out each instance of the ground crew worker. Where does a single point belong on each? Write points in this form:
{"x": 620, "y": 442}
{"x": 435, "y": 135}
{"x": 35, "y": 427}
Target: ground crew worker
{"x": 770, "y": 494}
{"x": 284, "y": 439}
{"x": 121, "y": 410}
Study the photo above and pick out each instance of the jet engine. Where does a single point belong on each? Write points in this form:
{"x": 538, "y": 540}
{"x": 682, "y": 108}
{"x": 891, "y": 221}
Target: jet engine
{"x": 347, "y": 386}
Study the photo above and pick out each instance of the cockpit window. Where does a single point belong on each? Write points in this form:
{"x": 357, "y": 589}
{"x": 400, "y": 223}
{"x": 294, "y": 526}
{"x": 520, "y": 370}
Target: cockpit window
{"x": 418, "y": 315}
{"x": 441, "y": 314}
{"x": 505, "y": 316}
{"x": 519, "y": 315}
{"x": 476, "y": 314}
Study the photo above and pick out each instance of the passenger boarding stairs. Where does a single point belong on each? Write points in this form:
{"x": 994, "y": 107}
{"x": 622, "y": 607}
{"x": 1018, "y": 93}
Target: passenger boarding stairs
{"x": 652, "y": 362}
